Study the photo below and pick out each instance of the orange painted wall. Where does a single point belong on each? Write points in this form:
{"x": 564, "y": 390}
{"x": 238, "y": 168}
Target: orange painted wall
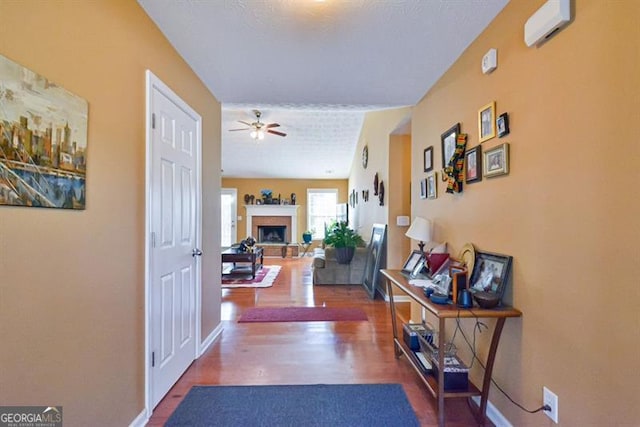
{"x": 72, "y": 282}
{"x": 567, "y": 212}
{"x": 376, "y": 134}
{"x": 284, "y": 187}
{"x": 399, "y": 198}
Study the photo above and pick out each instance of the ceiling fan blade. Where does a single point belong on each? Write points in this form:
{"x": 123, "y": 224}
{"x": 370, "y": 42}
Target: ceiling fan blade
{"x": 244, "y": 123}
{"x": 273, "y": 125}
{"x": 233, "y": 130}
{"x": 275, "y": 132}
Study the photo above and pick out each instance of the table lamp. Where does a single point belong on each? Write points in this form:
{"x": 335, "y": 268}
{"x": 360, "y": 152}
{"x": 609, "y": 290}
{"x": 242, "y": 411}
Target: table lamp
{"x": 420, "y": 230}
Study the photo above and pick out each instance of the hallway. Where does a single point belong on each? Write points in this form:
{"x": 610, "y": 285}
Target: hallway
{"x": 306, "y": 352}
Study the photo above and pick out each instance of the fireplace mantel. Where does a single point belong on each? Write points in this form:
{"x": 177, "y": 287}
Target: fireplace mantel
{"x": 274, "y": 210}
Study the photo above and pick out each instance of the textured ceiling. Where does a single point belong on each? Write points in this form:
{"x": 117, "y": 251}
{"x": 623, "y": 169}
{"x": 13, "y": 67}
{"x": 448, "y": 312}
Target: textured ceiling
{"x": 315, "y": 67}
{"x": 319, "y": 144}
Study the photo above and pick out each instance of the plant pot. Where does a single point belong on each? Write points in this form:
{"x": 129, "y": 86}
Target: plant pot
{"x": 306, "y": 237}
{"x": 345, "y": 255}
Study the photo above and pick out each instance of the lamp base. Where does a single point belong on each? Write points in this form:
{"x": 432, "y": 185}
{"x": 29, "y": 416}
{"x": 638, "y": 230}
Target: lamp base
{"x": 421, "y": 246}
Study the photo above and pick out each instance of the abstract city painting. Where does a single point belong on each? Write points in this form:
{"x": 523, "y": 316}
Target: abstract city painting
{"x": 43, "y": 141}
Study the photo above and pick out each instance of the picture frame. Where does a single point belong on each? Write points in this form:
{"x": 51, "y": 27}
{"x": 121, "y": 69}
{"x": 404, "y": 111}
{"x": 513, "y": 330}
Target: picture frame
{"x": 43, "y": 128}
{"x": 487, "y": 122}
{"x": 428, "y": 159}
{"x": 419, "y": 268}
{"x": 432, "y": 186}
{"x": 495, "y": 161}
{"x": 412, "y": 262}
{"x": 473, "y": 164}
{"x": 448, "y": 141}
{"x": 491, "y": 273}
{"x": 502, "y": 125}
{"x": 373, "y": 279}
{"x": 423, "y": 188}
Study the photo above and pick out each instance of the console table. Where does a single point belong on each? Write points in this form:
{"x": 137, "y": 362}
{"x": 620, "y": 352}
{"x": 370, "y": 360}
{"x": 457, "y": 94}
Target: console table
{"x": 443, "y": 312}
{"x": 254, "y": 258}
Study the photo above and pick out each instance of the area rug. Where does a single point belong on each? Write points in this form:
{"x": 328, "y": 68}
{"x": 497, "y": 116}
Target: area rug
{"x": 264, "y": 278}
{"x": 344, "y": 405}
{"x": 302, "y": 314}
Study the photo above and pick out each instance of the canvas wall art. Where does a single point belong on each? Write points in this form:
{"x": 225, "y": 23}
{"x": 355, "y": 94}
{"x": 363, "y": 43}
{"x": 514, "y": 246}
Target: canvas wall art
{"x": 43, "y": 141}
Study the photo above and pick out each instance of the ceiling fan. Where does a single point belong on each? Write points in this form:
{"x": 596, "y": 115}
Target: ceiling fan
{"x": 258, "y": 128}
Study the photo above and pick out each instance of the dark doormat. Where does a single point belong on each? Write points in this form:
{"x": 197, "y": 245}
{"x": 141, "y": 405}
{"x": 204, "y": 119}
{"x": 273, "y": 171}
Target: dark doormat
{"x": 339, "y": 405}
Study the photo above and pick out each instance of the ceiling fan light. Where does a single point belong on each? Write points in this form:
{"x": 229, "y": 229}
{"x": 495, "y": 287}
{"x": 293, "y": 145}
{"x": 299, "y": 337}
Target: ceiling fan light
{"x": 254, "y": 134}
{"x": 260, "y": 135}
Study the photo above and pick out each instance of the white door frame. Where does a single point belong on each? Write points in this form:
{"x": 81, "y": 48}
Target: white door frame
{"x": 234, "y": 193}
{"x": 154, "y": 82}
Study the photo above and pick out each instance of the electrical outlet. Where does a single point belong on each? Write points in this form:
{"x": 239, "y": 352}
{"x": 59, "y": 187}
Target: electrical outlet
{"x": 551, "y": 399}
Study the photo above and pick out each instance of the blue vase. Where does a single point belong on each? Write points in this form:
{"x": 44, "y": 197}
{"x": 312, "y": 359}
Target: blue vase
{"x": 306, "y": 237}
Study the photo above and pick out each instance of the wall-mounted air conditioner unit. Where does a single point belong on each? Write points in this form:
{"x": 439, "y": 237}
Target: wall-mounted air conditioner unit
{"x": 547, "y": 21}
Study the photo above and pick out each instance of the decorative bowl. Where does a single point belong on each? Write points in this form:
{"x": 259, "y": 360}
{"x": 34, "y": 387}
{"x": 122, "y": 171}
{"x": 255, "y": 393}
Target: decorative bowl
{"x": 486, "y": 299}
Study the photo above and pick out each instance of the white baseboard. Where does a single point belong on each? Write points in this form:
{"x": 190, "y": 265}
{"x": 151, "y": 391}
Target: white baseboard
{"x": 399, "y": 298}
{"x": 493, "y": 414}
{"x": 210, "y": 339}
{"x": 140, "y": 420}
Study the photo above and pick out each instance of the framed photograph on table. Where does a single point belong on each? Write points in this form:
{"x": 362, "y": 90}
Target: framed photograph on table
{"x": 487, "y": 122}
{"x": 448, "y": 140}
{"x": 432, "y": 189}
{"x": 496, "y": 161}
{"x": 412, "y": 262}
{"x": 491, "y": 273}
{"x": 419, "y": 269}
{"x": 473, "y": 164}
{"x": 428, "y": 159}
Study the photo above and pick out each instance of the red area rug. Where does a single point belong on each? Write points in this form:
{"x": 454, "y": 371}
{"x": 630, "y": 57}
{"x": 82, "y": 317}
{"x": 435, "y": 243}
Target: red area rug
{"x": 264, "y": 279}
{"x": 302, "y": 314}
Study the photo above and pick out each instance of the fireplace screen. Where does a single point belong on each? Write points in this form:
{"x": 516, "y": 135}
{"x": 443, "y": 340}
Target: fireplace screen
{"x": 271, "y": 233}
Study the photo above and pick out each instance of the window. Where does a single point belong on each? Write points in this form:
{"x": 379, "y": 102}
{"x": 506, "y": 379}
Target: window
{"x": 321, "y": 209}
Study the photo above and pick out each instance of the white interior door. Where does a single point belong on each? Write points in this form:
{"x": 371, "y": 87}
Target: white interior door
{"x": 174, "y": 224}
{"x": 229, "y": 216}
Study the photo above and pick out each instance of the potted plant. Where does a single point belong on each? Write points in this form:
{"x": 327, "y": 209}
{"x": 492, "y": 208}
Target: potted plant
{"x": 344, "y": 239}
{"x": 307, "y": 236}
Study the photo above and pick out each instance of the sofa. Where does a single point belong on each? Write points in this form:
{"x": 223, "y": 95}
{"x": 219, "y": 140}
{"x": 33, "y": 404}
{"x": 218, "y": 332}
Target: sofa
{"x": 327, "y": 271}
{"x": 363, "y": 269}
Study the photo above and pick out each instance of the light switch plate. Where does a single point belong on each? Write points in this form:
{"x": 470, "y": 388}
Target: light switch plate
{"x": 490, "y": 61}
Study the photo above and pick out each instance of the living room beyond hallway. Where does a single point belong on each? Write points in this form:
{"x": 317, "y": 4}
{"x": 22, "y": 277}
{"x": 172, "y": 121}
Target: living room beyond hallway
{"x": 274, "y": 353}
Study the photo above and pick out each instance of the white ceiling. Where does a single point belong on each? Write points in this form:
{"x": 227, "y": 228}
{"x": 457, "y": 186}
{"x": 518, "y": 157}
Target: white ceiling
{"x": 315, "y": 67}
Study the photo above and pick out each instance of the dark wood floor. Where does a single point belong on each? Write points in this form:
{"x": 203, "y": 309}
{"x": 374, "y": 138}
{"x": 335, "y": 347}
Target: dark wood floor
{"x": 307, "y": 352}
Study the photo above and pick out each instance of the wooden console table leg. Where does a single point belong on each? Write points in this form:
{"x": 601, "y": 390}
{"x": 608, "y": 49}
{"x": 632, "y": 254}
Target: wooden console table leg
{"x": 486, "y": 382}
{"x": 441, "y": 371}
{"x": 392, "y": 306}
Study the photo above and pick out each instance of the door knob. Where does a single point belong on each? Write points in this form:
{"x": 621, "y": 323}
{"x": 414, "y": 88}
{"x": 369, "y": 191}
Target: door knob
{"x": 196, "y": 252}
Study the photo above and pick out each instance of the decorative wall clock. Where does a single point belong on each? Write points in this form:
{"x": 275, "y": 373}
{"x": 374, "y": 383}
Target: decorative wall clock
{"x": 375, "y": 185}
{"x": 365, "y": 156}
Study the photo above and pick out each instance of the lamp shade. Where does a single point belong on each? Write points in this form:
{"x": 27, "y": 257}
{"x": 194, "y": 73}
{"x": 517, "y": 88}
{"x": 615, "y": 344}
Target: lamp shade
{"x": 420, "y": 230}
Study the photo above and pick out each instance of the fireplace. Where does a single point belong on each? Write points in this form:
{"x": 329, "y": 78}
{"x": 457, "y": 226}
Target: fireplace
{"x": 285, "y": 216}
{"x": 272, "y": 233}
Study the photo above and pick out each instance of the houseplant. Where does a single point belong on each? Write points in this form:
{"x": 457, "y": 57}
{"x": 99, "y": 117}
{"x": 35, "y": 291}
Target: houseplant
{"x": 344, "y": 239}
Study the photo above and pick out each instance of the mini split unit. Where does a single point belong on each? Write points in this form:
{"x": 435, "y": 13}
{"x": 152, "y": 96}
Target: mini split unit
{"x": 547, "y": 21}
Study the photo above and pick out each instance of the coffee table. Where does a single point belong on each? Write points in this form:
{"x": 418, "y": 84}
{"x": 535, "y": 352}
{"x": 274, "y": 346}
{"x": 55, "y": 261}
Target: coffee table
{"x": 255, "y": 259}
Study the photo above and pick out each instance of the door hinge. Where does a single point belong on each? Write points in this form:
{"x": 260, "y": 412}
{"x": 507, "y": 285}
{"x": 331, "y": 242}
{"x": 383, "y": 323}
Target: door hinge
{"x": 153, "y": 359}
{"x": 153, "y": 120}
